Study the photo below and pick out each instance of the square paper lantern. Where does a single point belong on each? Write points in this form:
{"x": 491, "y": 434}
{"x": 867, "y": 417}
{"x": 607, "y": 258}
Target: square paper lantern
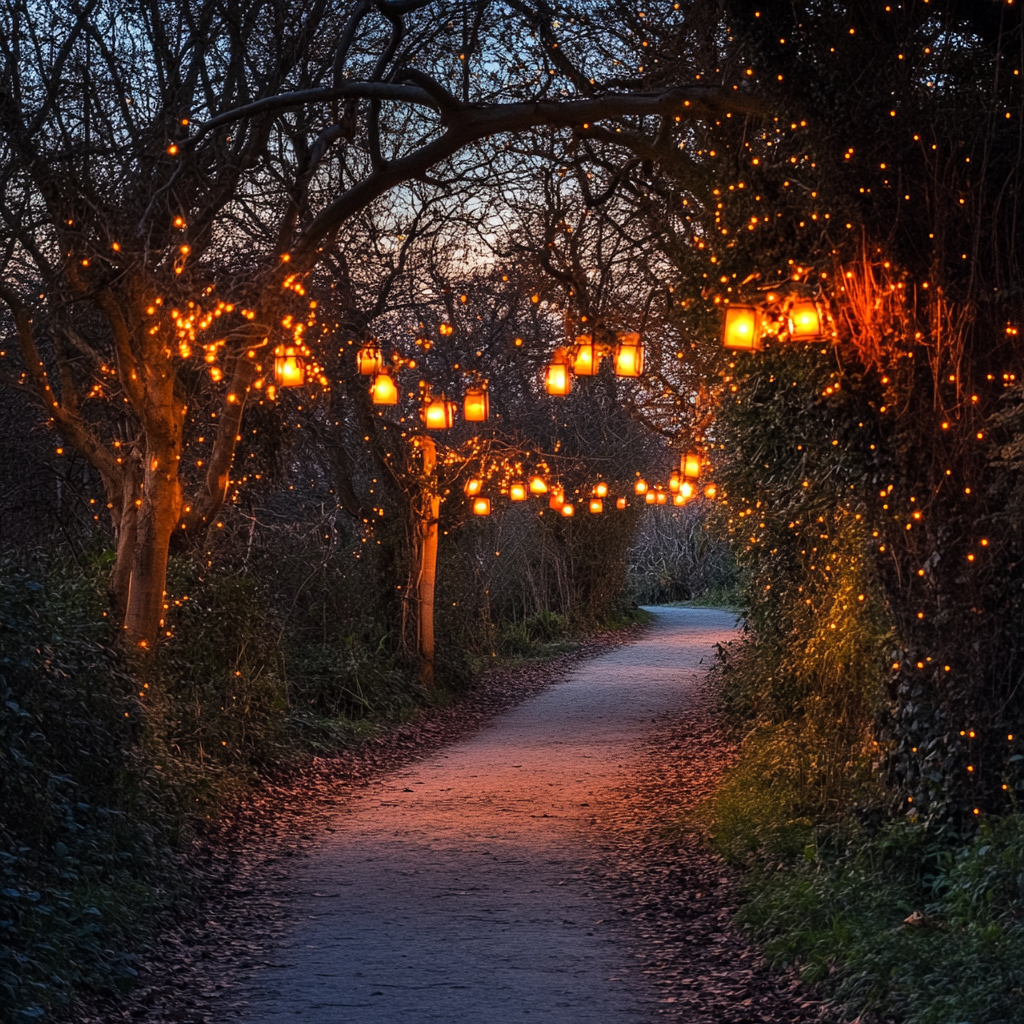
{"x": 690, "y": 465}
{"x": 596, "y": 505}
{"x": 537, "y": 485}
{"x": 370, "y": 360}
{"x": 482, "y": 507}
{"x": 568, "y": 510}
{"x": 640, "y": 486}
{"x": 620, "y": 503}
{"x": 517, "y": 491}
{"x": 629, "y": 356}
{"x": 557, "y": 380}
{"x": 556, "y": 499}
{"x": 710, "y": 491}
{"x": 477, "y": 406}
{"x": 289, "y": 367}
{"x": 742, "y": 328}
{"x": 586, "y": 361}
{"x": 804, "y": 321}
{"x": 383, "y": 390}
{"x": 651, "y": 497}
{"x": 438, "y": 414}
{"x": 473, "y": 487}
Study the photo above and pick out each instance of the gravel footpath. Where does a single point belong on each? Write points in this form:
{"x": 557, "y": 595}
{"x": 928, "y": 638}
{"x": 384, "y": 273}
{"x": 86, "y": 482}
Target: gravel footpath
{"x": 503, "y": 859}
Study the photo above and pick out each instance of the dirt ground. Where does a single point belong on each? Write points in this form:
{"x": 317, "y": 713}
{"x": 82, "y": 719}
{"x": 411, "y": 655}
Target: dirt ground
{"x": 527, "y": 870}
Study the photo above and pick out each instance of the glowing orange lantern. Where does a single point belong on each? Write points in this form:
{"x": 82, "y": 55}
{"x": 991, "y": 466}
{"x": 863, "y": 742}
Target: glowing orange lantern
{"x": 678, "y": 499}
{"x": 640, "y": 486}
{"x": 673, "y": 483}
{"x": 650, "y": 497}
{"x": 557, "y": 380}
{"x": 686, "y": 490}
{"x": 537, "y": 485}
{"x": 568, "y": 510}
{"x": 289, "y": 367}
{"x": 476, "y": 406}
{"x": 586, "y": 361}
{"x": 596, "y": 505}
{"x": 370, "y": 360}
{"x": 600, "y": 490}
{"x": 710, "y": 491}
{"x": 662, "y": 498}
{"x": 482, "y": 507}
{"x": 620, "y": 502}
{"x": 556, "y": 500}
{"x": 690, "y": 465}
{"x": 742, "y": 327}
{"x": 517, "y": 491}
{"x": 473, "y": 487}
{"x": 383, "y": 390}
{"x": 629, "y": 356}
{"x": 438, "y": 413}
{"x": 804, "y": 320}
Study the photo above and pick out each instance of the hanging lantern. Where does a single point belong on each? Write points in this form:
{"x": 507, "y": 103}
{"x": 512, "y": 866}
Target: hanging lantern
{"x": 690, "y": 465}
{"x": 557, "y": 380}
{"x": 567, "y": 511}
{"x": 650, "y": 497}
{"x": 476, "y": 406}
{"x": 596, "y": 505}
{"x": 517, "y": 491}
{"x": 629, "y": 356}
{"x": 474, "y": 485}
{"x": 537, "y": 485}
{"x": 482, "y": 506}
{"x": 383, "y": 390}
{"x": 686, "y": 490}
{"x": 600, "y": 490}
{"x": 370, "y": 360}
{"x": 620, "y": 503}
{"x": 289, "y": 367}
{"x": 438, "y": 413}
{"x": 556, "y": 499}
{"x": 804, "y": 321}
{"x": 678, "y": 499}
{"x": 661, "y": 497}
{"x": 742, "y": 327}
{"x": 640, "y": 486}
{"x": 710, "y": 491}
{"x": 586, "y": 361}
{"x": 673, "y": 483}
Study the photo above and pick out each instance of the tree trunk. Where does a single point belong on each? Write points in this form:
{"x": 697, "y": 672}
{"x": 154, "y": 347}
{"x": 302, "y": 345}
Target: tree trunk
{"x": 427, "y": 512}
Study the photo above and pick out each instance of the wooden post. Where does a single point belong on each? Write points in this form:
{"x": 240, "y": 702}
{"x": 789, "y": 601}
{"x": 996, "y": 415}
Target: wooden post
{"x": 427, "y": 512}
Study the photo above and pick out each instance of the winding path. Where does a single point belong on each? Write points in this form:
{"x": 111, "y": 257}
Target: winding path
{"x": 459, "y": 889}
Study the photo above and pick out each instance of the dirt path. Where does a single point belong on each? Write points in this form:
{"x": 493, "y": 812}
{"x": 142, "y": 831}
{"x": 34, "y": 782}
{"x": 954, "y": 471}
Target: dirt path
{"x": 465, "y": 888}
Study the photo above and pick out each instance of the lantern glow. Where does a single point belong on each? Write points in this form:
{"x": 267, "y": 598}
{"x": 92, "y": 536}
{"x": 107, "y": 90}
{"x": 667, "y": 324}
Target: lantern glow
{"x": 661, "y": 497}
{"x": 710, "y": 491}
{"x": 804, "y": 321}
{"x": 586, "y": 361}
{"x": 686, "y": 490}
{"x": 537, "y": 485}
{"x": 383, "y": 390}
{"x": 620, "y": 502}
{"x": 600, "y": 490}
{"x": 673, "y": 483}
{"x": 482, "y": 507}
{"x": 556, "y": 500}
{"x": 370, "y": 360}
{"x": 556, "y": 378}
{"x": 476, "y": 406}
{"x": 289, "y": 367}
{"x": 517, "y": 491}
{"x": 596, "y": 505}
{"x": 567, "y": 510}
{"x": 690, "y": 465}
{"x": 742, "y": 328}
{"x": 678, "y": 499}
{"x": 473, "y": 486}
{"x": 629, "y": 356}
{"x": 640, "y": 486}
{"x": 438, "y": 413}
{"x": 650, "y": 497}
